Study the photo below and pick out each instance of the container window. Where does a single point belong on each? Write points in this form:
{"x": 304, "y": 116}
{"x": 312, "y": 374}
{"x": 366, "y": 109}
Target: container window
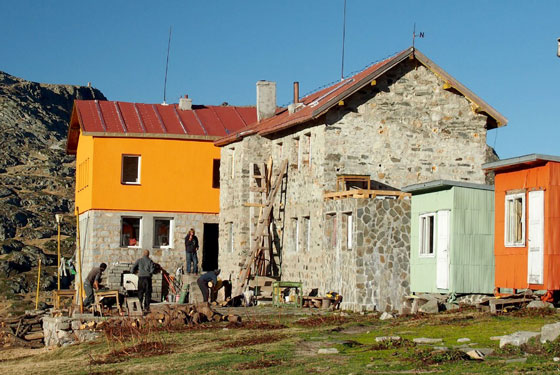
{"x": 426, "y": 234}
{"x": 515, "y": 220}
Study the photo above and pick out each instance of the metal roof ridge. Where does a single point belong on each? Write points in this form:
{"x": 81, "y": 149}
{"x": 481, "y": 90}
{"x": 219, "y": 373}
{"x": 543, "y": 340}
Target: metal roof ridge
{"x": 139, "y": 117}
{"x": 435, "y": 184}
{"x": 179, "y": 118}
{"x": 199, "y": 122}
{"x": 519, "y": 160}
{"x": 159, "y": 118}
{"x": 219, "y": 119}
{"x": 98, "y": 107}
{"x": 117, "y": 108}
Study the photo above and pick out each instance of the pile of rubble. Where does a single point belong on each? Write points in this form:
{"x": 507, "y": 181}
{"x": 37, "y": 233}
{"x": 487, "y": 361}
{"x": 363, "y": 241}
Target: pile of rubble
{"x": 22, "y": 331}
{"x": 65, "y": 330}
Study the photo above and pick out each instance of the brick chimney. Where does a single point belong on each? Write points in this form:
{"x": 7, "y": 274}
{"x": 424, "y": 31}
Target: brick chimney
{"x": 185, "y": 104}
{"x": 266, "y": 99}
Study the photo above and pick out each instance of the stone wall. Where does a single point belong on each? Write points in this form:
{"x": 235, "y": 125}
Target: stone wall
{"x": 404, "y": 130}
{"x": 100, "y": 238}
{"x": 373, "y": 271}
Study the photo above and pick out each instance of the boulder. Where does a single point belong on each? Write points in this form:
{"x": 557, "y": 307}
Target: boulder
{"x": 550, "y": 332}
{"x": 386, "y": 316}
{"x": 426, "y": 340}
{"x": 430, "y": 307}
{"x": 540, "y": 305}
{"x": 387, "y": 338}
{"x": 518, "y": 338}
{"x": 328, "y": 351}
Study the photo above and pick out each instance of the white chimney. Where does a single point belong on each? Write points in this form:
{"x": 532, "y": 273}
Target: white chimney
{"x": 185, "y": 104}
{"x": 266, "y": 99}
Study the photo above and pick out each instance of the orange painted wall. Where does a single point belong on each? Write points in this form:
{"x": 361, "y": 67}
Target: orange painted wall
{"x": 84, "y": 176}
{"x": 511, "y": 262}
{"x": 176, "y": 176}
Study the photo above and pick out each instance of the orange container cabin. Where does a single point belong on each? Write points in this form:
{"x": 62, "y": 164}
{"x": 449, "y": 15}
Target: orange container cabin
{"x": 527, "y": 223}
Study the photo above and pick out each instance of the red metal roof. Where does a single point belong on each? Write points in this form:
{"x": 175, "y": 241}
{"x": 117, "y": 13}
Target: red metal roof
{"x": 113, "y": 119}
{"x": 321, "y": 101}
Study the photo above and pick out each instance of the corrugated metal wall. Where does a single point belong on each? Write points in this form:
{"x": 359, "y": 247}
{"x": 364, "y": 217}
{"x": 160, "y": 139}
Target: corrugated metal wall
{"x": 472, "y": 241}
{"x": 423, "y": 268}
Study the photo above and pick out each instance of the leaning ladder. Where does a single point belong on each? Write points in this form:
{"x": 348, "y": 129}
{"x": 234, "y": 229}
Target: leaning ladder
{"x": 259, "y": 238}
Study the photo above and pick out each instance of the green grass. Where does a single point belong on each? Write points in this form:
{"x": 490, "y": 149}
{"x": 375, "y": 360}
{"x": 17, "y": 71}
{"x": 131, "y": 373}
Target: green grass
{"x": 294, "y": 349}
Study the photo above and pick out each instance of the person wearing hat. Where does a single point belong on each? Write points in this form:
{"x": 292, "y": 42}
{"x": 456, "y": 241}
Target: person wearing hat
{"x": 204, "y": 280}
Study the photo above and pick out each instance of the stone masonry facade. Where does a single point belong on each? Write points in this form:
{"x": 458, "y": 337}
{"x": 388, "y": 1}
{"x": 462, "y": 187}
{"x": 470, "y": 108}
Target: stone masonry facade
{"x": 405, "y": 129}
{"x": 100, "y": 235}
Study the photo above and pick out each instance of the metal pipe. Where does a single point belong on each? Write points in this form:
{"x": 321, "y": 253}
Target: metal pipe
{"x": 296, "y": 92}
{"x": 79, "y": 253}
{"x": 58, "y": 220}
{"x": 38, "y": 285}
{"x": 558, "y": 51}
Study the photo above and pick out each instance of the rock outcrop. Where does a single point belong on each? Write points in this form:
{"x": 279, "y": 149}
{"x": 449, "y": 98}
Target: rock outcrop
{"x": 36, "y": 175}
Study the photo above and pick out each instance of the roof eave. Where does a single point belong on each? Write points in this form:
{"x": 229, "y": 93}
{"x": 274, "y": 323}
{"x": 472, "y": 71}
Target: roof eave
{"x": 519, "y": 161}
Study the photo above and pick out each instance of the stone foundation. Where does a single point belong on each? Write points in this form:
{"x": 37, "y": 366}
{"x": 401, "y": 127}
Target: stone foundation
{"x": 100, "y": 237}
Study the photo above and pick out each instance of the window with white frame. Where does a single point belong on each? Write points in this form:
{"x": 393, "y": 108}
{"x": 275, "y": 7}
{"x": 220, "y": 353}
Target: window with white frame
{"x": 297, "y": 151}
{"x": 295, "y": 226}
{"x": 130, "y": 231}
{"x": 306, "y": 235}
{"x": 347, "y": 230}
{"x": 230, "y": 237}
{"x": 130, "y": 171}
{"x": 162, "y": 232}
{"x": 232, "y": 162}
{"x": 426, "y": 234}
{"x": 515, "y": 220}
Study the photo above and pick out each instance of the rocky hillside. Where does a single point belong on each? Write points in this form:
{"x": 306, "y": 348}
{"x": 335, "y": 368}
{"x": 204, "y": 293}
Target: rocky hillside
{"x": 36, "y": 179}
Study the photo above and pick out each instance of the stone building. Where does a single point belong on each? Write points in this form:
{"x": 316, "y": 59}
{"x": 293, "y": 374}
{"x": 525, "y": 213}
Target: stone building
{"x": 145, "y": 175}
{"x": 401, "y": 121}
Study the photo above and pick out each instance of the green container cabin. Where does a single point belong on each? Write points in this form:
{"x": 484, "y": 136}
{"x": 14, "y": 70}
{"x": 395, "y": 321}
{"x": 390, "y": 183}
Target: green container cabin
{"x": 452, "y": 238}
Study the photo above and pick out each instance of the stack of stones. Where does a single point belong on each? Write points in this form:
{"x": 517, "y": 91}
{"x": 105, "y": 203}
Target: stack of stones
{"x": 113, "y": 276}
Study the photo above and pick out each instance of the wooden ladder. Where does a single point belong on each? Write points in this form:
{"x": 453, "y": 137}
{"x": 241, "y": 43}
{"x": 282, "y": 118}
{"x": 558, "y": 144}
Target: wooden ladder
{"x": 260, "y": 241}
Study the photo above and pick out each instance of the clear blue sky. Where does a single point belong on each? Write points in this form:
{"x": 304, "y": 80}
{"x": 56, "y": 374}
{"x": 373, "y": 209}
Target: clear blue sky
{"x": 505, "y": 51}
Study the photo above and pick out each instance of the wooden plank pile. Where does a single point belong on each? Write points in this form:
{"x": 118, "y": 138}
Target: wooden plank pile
{"x": 22, "y": 331}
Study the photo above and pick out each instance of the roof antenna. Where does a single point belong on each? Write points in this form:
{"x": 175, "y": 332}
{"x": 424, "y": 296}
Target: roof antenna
{"x": 167, "y": 65}
{"x": 414, "y": 35}
{"x": 343, "y": 39}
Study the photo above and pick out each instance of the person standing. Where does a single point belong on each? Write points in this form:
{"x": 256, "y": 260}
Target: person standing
{"x": 191, "y": 247}
{"x": 202, "y": 281}
{"x": 146, "y": 268}
{"x": 92, "y": 282}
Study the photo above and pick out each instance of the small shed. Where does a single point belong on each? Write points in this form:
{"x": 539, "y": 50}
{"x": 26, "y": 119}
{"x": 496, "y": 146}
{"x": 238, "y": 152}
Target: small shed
{"x": 527, "y": 243}
{"x": 452, "y": 237}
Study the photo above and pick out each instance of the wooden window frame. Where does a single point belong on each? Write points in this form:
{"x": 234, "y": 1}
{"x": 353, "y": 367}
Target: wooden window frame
{"x": 513, "y": 197}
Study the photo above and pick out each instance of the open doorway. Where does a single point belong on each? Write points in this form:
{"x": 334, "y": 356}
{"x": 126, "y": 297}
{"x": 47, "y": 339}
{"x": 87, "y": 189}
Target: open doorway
{"x": 210, "y": 247}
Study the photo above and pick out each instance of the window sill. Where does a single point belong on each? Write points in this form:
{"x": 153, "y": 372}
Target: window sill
{"x": 130, "y": 183}
{"x": 515, "y": 245}
{"x": 427, "y": 255}
{"x": 163, "y": 247}
{"x": 130, "y": 247}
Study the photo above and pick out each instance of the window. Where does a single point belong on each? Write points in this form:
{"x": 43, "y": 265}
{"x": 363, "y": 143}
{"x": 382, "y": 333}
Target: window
{"x": 230, "y": 237}
{"x": 162, "y": 232}
{"x": 306, "y": 235}
{"x": 216, "y": 173}
{"x": 130, "y": 173}
{"x": 232, "y": 162}
{"x": 349, "y": 229}
{"x": 83, "y": 175}
{"x": 130, "y": 231}
{"x": 515, "y": 220}
{"x": 279, "y": 149}
{"x": 331, "y": 230}
{"x": 306, "y": 150}
{"x": 426, "y": 234}
{"x": 295, "y": 226}
{"x": 297, "y": 152}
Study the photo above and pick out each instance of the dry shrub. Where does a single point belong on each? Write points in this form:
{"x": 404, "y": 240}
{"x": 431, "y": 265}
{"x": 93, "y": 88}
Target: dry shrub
{"x": 318, "y": 321}
{"x": 256, "y": 324}
{"x": 261, "y": 363}
{"x": 249, "y": 341}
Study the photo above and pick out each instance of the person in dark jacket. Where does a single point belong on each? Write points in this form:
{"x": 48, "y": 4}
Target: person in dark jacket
{"x": 146, "y": 268}
{"x": 211, "y": 276}
{"x": 191, "y": 247}
{"x": 92, "y": 282}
